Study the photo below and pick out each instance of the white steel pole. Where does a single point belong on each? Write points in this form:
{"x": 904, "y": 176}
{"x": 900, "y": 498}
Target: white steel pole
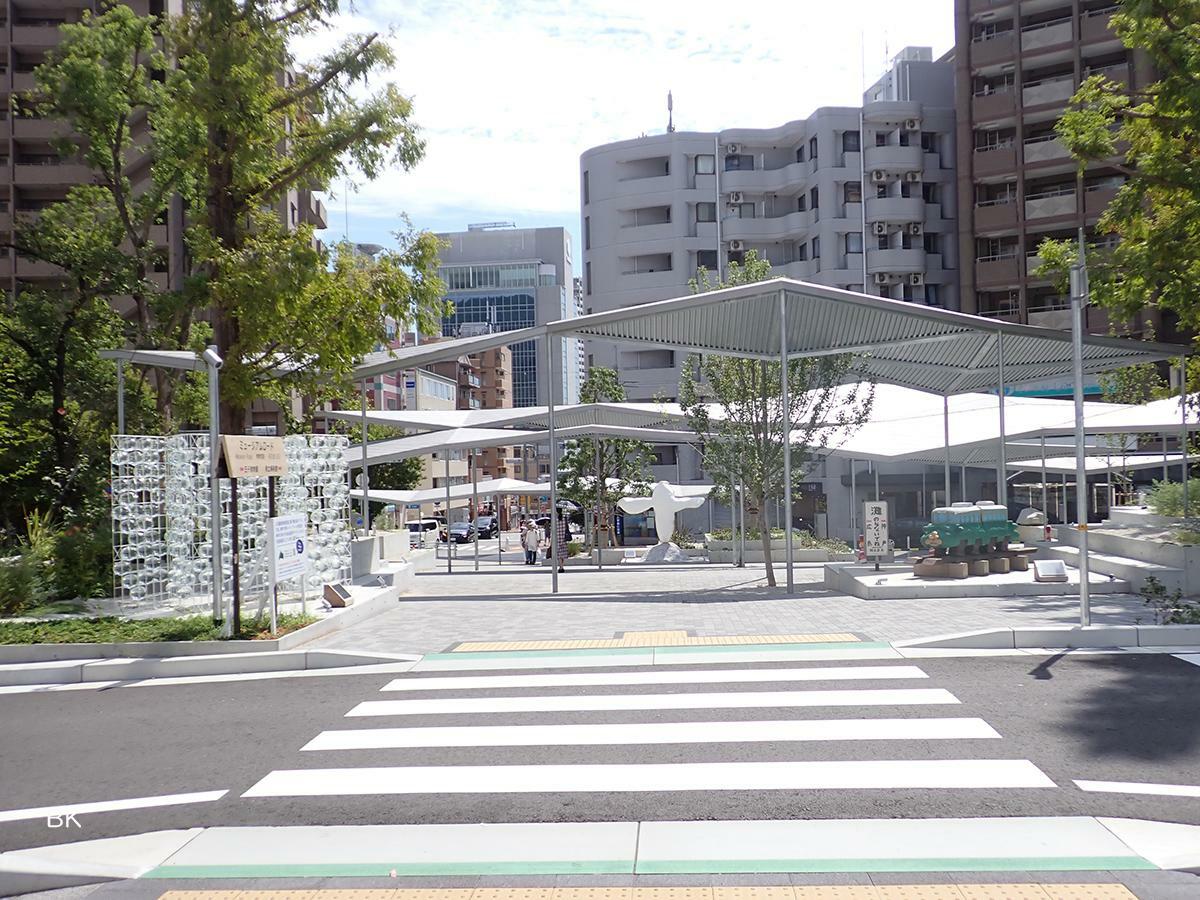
{"x": 1002, "y": 458}
{"x": 946, "y": 436}
{"x": 1044, "y": 476}
{"x": 475, "y": 508}
{"x": 555, "y": 562}
{"x": 120, "y": 396}
{"x": 449, "y": 543}
{"x": 366, "y": 475}
{"x": 1079, "y": 292}
{"x": 599, "y": 502}
{"x": 1183, "y": 430}
{"x": 214, "y": 456}
{"x": 787, "y": 439}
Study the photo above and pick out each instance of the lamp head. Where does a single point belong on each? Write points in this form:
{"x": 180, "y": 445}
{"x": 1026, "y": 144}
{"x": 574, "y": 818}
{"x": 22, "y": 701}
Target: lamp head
{"x": 211, "y": 357}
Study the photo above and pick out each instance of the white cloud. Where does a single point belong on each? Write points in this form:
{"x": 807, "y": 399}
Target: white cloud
{"x": 510, "y": 92}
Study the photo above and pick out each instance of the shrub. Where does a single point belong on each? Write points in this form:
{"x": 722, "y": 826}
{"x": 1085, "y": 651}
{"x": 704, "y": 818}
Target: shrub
{"x": 1169, "y": 606}
{"x": 574, "y": 548}
{"x": 23, "y": 583}
{"x": 1166, "y": 499}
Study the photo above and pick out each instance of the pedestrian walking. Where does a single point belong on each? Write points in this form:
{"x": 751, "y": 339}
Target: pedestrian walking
{"x": 530, "y": 538}
{"x": 560, "y": 543}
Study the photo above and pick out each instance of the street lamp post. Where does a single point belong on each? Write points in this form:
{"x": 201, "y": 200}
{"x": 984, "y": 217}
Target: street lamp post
{"x": 1079, "y": 296}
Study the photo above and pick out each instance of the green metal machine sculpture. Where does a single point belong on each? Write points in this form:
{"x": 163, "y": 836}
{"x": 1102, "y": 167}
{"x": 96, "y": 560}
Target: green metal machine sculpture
{"x": 969, "y": 539}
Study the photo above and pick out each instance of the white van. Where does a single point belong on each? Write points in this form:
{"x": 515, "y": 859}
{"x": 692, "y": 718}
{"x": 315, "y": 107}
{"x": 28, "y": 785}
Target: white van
{"x": 420, "y": 529}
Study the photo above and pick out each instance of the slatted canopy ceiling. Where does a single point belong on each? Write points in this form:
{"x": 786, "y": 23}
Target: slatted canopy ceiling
{"x": 385, "y": 362}
{"x": 575, "y": 416}
{"x": 901, "y": 343}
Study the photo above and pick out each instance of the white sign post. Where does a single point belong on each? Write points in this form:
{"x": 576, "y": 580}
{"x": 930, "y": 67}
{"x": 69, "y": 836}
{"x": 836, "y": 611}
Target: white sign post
{"x": 875, "y": 530}
{"x": 287, "y": 548}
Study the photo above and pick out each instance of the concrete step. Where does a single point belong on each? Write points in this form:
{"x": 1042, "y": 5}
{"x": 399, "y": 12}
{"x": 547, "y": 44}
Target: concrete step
{"x": 1132, "y": 571}
{"x": 1107, "y": 542}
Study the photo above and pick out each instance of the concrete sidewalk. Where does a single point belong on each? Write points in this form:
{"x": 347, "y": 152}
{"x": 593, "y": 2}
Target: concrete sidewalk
{"x": 511, "y": 603}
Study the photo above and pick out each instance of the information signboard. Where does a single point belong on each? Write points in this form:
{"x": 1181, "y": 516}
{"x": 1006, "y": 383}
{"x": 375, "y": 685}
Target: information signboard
{"x": 875, "y": 528}
{"x": 247, "y": 456}
{"x": 287, "y": 540}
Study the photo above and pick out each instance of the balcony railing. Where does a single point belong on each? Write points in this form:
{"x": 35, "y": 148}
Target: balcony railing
{"x": 1046, "y": 34}
{"x": 1045, "y": 148}
{"x": 1048, "y": 90}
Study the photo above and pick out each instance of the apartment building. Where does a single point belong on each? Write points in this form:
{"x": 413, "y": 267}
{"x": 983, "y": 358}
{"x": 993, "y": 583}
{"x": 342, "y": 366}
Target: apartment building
{"x": 484, "y": 381}
{"x": 1017, "y": 64}
{"x": 656, "y": 209}
{"x": 502, "y": 278}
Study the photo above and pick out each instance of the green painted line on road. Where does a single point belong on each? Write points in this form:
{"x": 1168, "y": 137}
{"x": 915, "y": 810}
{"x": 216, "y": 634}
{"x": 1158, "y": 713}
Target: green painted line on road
{"x": 770, "y": 648}
{"x": 884, "y": 864}
{"x": 385, "y": 869}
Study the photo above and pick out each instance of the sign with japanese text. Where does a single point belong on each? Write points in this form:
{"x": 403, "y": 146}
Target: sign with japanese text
{"x": 248, "y": 456}
{"x": 287, "y": 546}
{"x": 875, "y": 528}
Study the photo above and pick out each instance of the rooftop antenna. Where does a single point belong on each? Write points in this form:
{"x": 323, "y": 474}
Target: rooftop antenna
{"x": 670, "y": 113}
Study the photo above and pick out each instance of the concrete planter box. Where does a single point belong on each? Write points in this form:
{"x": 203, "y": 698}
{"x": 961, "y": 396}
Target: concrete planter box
{"x": 364, "y": 556}
{"x": 726, "y": 552}
{"x": 394, "y": 545}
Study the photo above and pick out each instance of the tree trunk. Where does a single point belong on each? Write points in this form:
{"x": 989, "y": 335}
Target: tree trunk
{"x": 764, "y": 528}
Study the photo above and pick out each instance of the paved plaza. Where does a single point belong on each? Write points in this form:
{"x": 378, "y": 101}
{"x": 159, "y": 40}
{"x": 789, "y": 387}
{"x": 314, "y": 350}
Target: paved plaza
{"x": 514, "y": 603}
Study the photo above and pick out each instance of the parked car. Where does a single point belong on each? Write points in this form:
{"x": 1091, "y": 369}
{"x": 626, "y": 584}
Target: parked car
{"x": 421, "y": 529}
{"x": 461, "y": 532}
{"x": 487, "y": 526}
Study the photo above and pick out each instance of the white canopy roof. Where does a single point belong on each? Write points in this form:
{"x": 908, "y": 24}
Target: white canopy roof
{"x": 580, "y": 414}
{"x": 1065, "y": 465}
{"x": 486, "y": 488}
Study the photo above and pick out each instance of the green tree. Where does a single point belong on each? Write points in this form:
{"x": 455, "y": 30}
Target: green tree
{"x": 735, "y": 406}
{"x": 619, "y": 465}
{"x": 1151, "y": 254}
{"x": 236, "y": 122}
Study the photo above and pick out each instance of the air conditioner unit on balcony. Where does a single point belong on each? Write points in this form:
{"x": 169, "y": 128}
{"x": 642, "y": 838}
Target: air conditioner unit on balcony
{"x": 737, "y": 246}
{"x": 879, "y": 227}
{"x": 912, "y": 176}
{"x": 916, "y": 279}
{"x": 733, "y": 148}
{"x": 881, "y": 278}
{"x": 915, "y": 228}
{"x": 912, "y": 124}
{"x": 735, "y": 197}
{"x": 878, "y": 176}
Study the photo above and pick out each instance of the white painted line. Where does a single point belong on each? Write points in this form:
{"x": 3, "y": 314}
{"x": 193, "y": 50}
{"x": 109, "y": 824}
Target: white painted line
{"x": 716, "y": 676}
{"x": 44, "y": 688}
{"x": 655, "y": 733}
{"x": 448, "y": 663}
{"x": 1134, "y": 787}
{"x": 1193, "y": 658}
{"x": 41, "y": 812}
{"x": 371, "y": 669}
{"x": 733, "y": 700}
{"x": 1166, "y": 844}
{"x": 821, "y": 775}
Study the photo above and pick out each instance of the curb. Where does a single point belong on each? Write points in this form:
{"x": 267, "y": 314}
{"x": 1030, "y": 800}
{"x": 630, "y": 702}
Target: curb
{"x": 78, "y": 671}
{"x": 1067, "y": 637}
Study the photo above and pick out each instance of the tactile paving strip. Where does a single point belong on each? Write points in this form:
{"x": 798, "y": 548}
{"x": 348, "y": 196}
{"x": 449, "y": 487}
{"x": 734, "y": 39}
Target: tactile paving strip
{"x": 656, "y": 639}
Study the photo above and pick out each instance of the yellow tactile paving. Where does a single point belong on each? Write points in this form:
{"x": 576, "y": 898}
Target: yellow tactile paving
{"x": 753, "y": 893}
{"x": 431, "y": 894}
{"x": 535, "y": 893}
{"x": 835, "y": 892}
{"x": 593, "y": 893}
{"x": 917, "y": 892}
{"x": 1002, "y": 892}
{"x": 655, "y": 639}
{"x": 672, "y": 893}
{"x": 1088, "y": 892}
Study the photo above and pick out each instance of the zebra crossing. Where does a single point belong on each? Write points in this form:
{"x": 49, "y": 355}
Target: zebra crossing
{"x": 848, "y": 727}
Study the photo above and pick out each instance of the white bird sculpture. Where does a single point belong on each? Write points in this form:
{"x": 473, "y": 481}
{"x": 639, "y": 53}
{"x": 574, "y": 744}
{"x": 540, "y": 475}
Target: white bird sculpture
{"x": 665, "y": 504}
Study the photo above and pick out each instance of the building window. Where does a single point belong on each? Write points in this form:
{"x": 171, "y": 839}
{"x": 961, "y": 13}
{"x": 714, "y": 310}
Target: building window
{"x": 664, "y": 455}
{"x": 800, "y": 154}
{"x": 744, "y": 210}
{"x": 739, "y": 162}
{"x": 933, "y": 243}
{"x": 854, "y": 242}
{"x": 587, "y": 232}
{"x": 814, "y": 198}
{"x": 812, "y": 148}
{"x": 706, "y": 212}
{"x": 929, "y": 142}
{"x": 586, "y": 191}
{"x": 852, "y": 192}
{"x": 882, "y": 243}
{"x": 292, "y": 213}
{"x": 930, "y": 193}
{"x": 933, "y": 295}
{"x": 705, "y": 164}
{"x": 802, "y": 252}
{"x": 647, "y": 359}
{"x": 706, "y": 259}
{"x": 587, "y": 275}
{"x": 802, "y": 203}
{"x": 850, "y": 141}
{"x": 816, "y": 248}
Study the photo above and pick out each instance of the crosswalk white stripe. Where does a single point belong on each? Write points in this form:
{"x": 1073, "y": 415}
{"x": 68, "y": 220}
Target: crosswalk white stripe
{"x": 655, "y": 733}
{"x": 808, "y": 775}
{"x": 1136, "y": 787}
{"x": 595, "y": 702}
{"x": 715, "y": 676}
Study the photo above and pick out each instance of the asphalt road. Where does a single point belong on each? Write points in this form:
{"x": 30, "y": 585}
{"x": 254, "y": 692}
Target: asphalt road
{"x": 1098, "y": 717}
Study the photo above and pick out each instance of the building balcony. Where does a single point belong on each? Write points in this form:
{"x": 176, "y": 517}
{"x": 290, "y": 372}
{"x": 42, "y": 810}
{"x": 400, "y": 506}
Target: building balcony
{"x": 315, "y": 213}
{"x": 776, "y": 228}
{"x": 1097, "y": 199}
{"x": 23, "y": 81}
{"x": 1060, "y": 202}
{"x": 1047, "y": 149}
{"x": 893, "y": 159}
{"x": 982, "y": 6}
{"x": 890, "y": 112}
{"x": 994, "y": 106}
{"x": 895, "y": 209}
{"x": 789, "y": 177}
{"x": 1097, "y": 25}
{"x": 1118, "y": 73}
{"x": 643, "y": 186}
{"x": 1048, "y": 90}
{"x": 1000, "y": 160}
{"x": 991, "y": 215}
{"x": 40, "y": 37}
{"x": 997, "y": 270}
{"x": 39, "y": 129}
{"x": 897, "y": 261}
{"x": 995, "y": 50}
{"x": 36, "y": 269}
{"x": 1046, "y": 34}
{"x": 663, "y": 231}
{"x": 61, "y": 173}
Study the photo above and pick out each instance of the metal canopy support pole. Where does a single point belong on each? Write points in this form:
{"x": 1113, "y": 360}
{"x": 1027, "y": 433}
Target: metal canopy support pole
{"x": 741, "y": 496}
{"x": 555, "y": 562}
{"x": 475, "y": 508}
{"x": 1079, "y": 291}
{"x": 599, "y": 506}
{"x": 1166, "y": 459}
{"x": 946, "y": 435}
{"x": 1002, "y": 457}
{"x": 366, "y": 476}
{"x": 962, "y": 483}
{"x": 854, "y": 502}
{"x": 1183, "y": 431}
{"x": 875, "y": 467}
{"x": 499, "y": 533}
{"x": 120, "y": 396}
{"x": 1044, "y": 475}
{"x": 789, "y": 554}
{"x": 449, "y": 562}
{"x": 214, "y": 484}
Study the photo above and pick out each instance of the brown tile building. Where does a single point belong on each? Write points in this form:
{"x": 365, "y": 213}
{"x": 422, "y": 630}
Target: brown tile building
{"x": 485, "y": 382}
{"x": 1017, "y": 64}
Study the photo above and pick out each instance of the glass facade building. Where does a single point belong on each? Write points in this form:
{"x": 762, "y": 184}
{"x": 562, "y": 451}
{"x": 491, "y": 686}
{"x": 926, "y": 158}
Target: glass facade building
{"x": 497, "y": 311}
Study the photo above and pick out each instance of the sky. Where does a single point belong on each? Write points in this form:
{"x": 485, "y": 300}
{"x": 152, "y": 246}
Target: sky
{"x": 509, "y": 93}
